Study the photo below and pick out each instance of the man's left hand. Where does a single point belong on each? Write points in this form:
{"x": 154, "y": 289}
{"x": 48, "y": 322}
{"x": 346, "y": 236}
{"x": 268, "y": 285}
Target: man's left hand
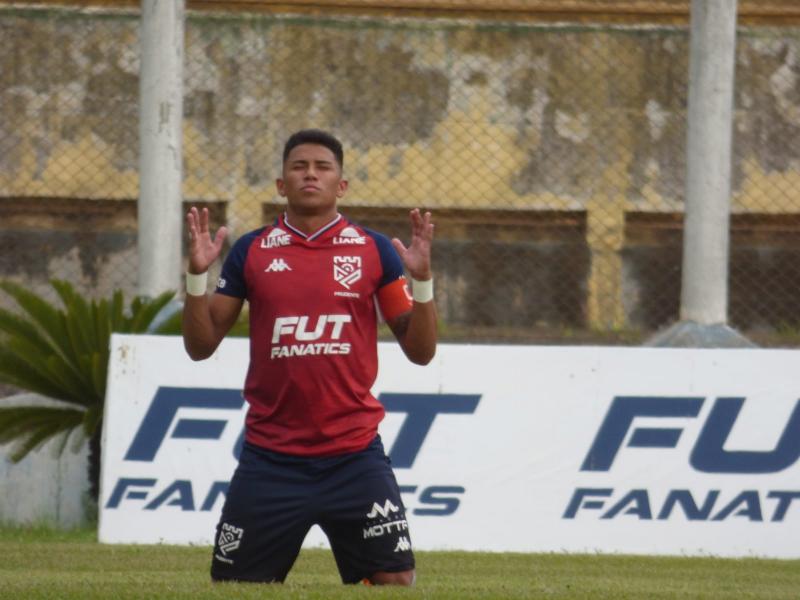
{"x": 417, "y": 257}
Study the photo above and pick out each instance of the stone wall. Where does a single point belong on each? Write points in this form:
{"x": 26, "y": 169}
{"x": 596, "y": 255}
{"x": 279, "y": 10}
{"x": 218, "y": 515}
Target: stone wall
{"x": 47, "y": 487}
{"x": 482, "y": 116}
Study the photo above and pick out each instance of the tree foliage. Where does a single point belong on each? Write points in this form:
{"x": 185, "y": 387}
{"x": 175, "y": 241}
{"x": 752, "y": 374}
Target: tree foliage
{"x": 62, "y": 353}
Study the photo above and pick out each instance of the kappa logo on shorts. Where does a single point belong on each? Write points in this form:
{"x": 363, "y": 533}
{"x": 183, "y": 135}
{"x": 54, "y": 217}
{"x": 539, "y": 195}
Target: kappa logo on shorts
{"x": 230, "y": 538}
{"x": 383, "y": 511}
{"x": 403, "y": 544}
{"x": 346, "y": 270}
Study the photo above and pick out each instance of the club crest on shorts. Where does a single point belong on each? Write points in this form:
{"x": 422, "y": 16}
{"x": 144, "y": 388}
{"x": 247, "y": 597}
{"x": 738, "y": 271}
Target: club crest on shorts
{"x": 230, "y": 538}
{"x": 346, "y": 270}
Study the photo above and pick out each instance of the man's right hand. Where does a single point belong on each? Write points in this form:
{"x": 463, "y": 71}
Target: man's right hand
{"x": 203, "y": 248}
{"x": 207, "y": 318}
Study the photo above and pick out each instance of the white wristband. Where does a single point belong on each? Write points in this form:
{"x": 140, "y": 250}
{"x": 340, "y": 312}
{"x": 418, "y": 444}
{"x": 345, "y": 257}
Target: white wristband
{"x": 196, "y": 284}
{"x": 422, "y": 291}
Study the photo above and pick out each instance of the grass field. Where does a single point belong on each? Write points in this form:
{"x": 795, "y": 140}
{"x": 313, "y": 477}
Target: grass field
{"x": 42, "y": 563}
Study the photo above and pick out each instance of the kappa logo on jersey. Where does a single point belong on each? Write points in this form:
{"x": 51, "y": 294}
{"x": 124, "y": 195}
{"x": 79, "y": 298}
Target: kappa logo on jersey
{"x": 383, "y": 511}
{"x": 403, "y": 544}
{"x": 346, "y": 270}
{"x": 277, "y": 265}
{"x": 349, "y": 235}
{"x": 276, "y": 238}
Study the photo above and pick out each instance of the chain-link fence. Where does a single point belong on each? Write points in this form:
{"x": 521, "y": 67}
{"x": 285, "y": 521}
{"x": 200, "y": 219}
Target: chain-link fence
{"x": 552, "y": 155}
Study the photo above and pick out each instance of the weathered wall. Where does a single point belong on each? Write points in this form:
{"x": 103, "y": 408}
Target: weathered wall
{"x": 444, "y": 114}
{"x": 763, "y": 12}
{"x": 524, "y": 117}
{"x": 45, "y": 488}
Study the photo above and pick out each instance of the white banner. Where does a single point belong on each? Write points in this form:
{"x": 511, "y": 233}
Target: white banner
{"x": 530, "y": 449}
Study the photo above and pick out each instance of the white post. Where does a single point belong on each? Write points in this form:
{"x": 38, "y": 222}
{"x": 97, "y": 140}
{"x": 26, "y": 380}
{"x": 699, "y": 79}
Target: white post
{"x": 160, "y": 134}
{"x": 704, "y": 289}
{"x": 704, "y": 292}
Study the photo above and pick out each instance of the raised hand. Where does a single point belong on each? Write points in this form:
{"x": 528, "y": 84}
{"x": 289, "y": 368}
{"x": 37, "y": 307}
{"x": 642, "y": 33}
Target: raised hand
{"x": 417, "y": 257}
{"x": 203, "y": 248}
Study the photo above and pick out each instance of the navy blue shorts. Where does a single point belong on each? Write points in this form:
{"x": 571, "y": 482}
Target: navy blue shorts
{"x": 274, "y": 499}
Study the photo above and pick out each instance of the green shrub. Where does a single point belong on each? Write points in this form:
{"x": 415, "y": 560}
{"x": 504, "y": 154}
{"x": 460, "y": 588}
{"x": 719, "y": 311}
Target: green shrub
{"x": 62, "y": 353}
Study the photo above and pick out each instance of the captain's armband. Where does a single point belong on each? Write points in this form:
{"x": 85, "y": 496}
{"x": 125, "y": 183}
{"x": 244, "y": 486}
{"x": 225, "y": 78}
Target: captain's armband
{"x": 394, "y": 299}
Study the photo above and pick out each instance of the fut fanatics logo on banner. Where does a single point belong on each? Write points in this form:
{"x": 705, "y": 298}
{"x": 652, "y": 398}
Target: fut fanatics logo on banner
{"x": 276, "y": 238}
{"x": 346, "y": 270}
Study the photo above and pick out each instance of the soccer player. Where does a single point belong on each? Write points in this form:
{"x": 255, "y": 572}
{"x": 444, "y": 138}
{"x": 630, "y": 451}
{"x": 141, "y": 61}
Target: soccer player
{"x": 316, "y": 284}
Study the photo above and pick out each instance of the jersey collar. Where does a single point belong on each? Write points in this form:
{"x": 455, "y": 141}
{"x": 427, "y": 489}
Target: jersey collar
{"x": 319, "y": 232}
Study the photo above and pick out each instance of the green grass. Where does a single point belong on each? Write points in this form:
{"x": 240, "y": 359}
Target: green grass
{"x": 43, "y": 563}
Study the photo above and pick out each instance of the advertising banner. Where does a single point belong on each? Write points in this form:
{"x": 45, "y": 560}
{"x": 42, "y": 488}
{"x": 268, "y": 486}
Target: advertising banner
{"x": 499, "y": 448}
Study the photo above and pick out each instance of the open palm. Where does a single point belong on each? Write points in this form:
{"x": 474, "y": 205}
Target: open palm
{"x": 204, "y": 248}
{"x": 417, "y": 256}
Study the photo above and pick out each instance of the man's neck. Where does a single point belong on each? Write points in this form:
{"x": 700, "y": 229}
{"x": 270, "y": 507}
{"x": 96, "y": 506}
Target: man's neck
{"x": 310, "y": 224}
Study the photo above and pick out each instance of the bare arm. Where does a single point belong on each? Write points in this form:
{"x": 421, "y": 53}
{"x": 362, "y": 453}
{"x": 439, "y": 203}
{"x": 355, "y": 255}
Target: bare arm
{"x": 416, "y": 329}
{"x": 206, "y": 319}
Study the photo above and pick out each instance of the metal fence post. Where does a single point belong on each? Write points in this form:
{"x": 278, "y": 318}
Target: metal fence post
{"x": 160, "y": 136}
{"x": 704, "y": 286}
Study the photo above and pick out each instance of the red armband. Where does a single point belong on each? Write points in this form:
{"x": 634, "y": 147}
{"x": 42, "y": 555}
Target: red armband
{"x": 394, "y": 299}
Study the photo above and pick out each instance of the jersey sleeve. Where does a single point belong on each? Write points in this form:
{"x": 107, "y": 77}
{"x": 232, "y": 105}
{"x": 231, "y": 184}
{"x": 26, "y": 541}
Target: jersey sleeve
{"x": 393, "y": 296}
{"x": 231, "y": 279}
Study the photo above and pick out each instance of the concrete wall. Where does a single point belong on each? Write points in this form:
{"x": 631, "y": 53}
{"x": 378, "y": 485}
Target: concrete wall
{"x": 44, "y": 488}
{"x": 449, "y": 115}
{"x": 529, "y": 116}
{"x": 763, "y": 12}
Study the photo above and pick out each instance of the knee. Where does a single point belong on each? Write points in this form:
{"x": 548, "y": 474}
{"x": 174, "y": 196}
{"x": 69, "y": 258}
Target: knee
{"x": 405, "y": 578}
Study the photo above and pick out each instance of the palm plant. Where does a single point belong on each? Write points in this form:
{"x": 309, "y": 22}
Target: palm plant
{"x": 62, "y": 353}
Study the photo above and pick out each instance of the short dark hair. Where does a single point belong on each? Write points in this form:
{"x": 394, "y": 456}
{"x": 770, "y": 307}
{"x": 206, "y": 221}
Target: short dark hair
{"x": 315, "y": 136}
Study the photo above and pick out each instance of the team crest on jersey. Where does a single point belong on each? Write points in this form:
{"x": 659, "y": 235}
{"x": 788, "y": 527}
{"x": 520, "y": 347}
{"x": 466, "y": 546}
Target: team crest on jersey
{"x": 276, "y": 238}
{"x": 346, "y": 270}
{"x": 349, "y": 235}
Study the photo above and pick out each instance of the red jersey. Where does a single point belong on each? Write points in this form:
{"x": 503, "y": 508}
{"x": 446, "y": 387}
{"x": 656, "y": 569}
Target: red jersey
{"x": 313, "y": 332}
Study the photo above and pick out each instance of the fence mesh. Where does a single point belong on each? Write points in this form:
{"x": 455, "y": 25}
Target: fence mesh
{"x": 552, "y": 154}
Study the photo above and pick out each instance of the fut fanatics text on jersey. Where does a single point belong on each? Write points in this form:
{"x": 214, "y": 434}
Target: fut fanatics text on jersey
{"x": 314, "y": 304}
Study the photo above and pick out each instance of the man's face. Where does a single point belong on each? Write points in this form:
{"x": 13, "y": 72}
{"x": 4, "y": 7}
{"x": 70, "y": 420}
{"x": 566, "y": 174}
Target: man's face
{"x": 312, "y": 180}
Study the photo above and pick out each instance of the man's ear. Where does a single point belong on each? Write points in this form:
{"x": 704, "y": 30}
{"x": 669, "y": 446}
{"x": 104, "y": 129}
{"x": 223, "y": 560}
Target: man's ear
{"x": 342, "y": 188}
{"x": 281, "y": 188}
